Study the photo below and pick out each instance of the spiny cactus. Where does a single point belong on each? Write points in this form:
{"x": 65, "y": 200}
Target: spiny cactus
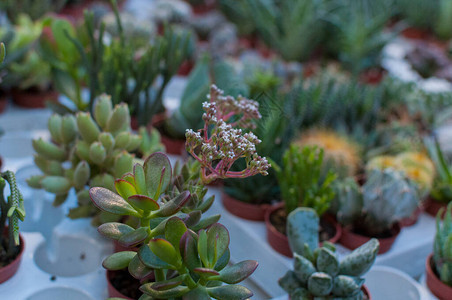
{"x": 97, "y": 149}
{"x": 11, "y": 210}
{"x": 317, "y": 270}
{"x": 340, "y": 153}
{"x": 442, "y": 246}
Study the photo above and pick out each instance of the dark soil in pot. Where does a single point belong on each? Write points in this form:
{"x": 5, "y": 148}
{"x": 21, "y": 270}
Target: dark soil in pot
{"x": 9, "y": 266}
{"x": 4, "y": 261}
{"x": 124, "y": 284}
{"x": 279, "y": 221}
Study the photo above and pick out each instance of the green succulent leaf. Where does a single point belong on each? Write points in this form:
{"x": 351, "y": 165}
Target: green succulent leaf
{"x": 303, "y": 268}
{"x": 174, "y": 230}
{"x": 217, "y": 242}
{"x": 189, "y": 251}
{"x": 119, "y": 260}
{"x": 223, "y": 261}
{"x": 110, "y": 202}
{"x": 167, "y": 284}
{"x": 165, "y": 294}
{"x": 238, "y": 272}
{"x": 173, "y": 206}
{"x": 320, "y": 284}
{"x": 143, "y": 202}
{"x": 149, "y": 259}
{"x": 327, "y": 262}
{"x": 140, "y": 179}
{"x": 230, "y": 292}
{"x": 158, "y": 172}
{"x": 114, "y": 230}
{"x": 199, "y": 293}
{"x": 345, "y": 286}
{"x": 165, "y": 251}
{"x": 134, "y": 237}
{"x": 139, "y": 270}
{"x": 206, "y": 222}
{"x": 124, "y": 188}
{"x": 360, "y": 260}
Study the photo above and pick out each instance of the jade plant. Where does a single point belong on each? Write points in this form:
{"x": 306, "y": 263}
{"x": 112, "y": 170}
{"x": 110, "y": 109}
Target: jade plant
{"x": 442, "y": 255}
{"x": 222, "y": 141}
{"x": 11, "y": 211}
{"x": 301, "y": 182}
{"x": 187, "y": 256}
{"x": 374, "y": 209}
{"x": 86, "y": 150}
{"x": 318, "y": 273}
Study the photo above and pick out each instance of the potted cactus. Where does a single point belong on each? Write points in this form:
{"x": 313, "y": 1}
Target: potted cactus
{"x": 11, "y": 211}
{"x": 439, "y": 264}
{"x": 317, "y": 270}
{"x": 302, "y": 184}
{"x": 375, "y": 209}
{"x": 97, "y": 149}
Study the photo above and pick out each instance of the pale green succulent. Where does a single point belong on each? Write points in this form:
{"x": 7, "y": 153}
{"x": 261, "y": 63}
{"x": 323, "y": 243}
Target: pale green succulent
{"x": 442, "y": 246}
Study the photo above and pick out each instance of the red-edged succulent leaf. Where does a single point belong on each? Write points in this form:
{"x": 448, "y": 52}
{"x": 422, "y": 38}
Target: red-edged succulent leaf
{"x": 177, "y": 291}
{"x": 149, "y": 259}
{"x": 134, "y": 237}
{"x": 118, "y": 260}
{"x": 139, "y": 270}
{"x": 217, "y": 242}
{"x": 223, "y": 261}
{"x": 124, "y": 188}
{"x": 193, "y": 218}
{"x": 165, "y": 251}
{"x": 157, "y": 170}
{"x": 199, "y": 293}
{"x": 230, "y": 292}
{"x": 167, "y": 284}
{"x": 174, "y": 205}
{"x": 110, "y": 202}
{"x": 174, "y": 230}
{"x": 143, "y": 202}
{"x": 129, "y": 178}
{"x": 114, "y": 230}
{"x": 202, "y": 248}
{"x": 204, "y": 223}
{"x": 206, "y": 204}
{"x": 238, "y": 272}
{"x": 140, "y": 179}
{"x": 205, "y": 272}
{"x": 189, "y": 251}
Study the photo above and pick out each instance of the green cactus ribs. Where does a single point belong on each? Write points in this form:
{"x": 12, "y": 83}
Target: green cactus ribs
{"x": 318, "y": 273}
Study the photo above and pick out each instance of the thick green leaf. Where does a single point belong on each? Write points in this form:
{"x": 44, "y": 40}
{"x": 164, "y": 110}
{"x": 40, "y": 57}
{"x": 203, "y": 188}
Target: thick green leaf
{"x": 174, "y": 230}
{"x": 167, "y": 284}
{"x": 327, "y": 262}
{"x": 139, "y": 270}
{"x": 143, "y": 202}
{"x": 189, "y": 251}
{"x": 238, "y": 272}
{"x": 110, "y": 202}
{"x": 124, "y": 188}
{"x": 205, "y": 272}
{"x": 223, "y": 261}
{"x": 157, "y": 170}
{"x": 217, "y": 242}
{"x": 203, "y": 248}
{"x": 193, "y": 218}
{"x": 134, "y": 237}
{"x": 230, "y": 292}
{"x": 149, "y": 259}
{"x": 119, "y": 260}
{"x": 360, "y": 260}
{"x": 200, "y": 293}
{"x": 174, "y": 205}
{"x": 165, "y": 251}
{"x": 204, "y": 223}
{"x": 165, "y": 294}
{"x": 114, "y": 230}
{"x": 140, "y": 179}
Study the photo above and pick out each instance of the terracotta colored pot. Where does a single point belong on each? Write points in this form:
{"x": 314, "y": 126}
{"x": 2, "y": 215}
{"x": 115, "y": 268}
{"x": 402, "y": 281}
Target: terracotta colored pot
{"x": 248, "y": 211}
{"x": 3, "y": 104}
{"x": 411, "y": 220}
{"x": 353, "y": 240}
{"x": 415, "y": 33}
{"x": 280, "y": 242}
{"x": 29, "y": 99}
{"x": 173, "y": 146}
{"x": 112, "y": 291}
{"x": 1, "y": 163}
{"x": 204, "y": 8}
{"x": 8, "y": 271}
{"x": 432, "y": 207}
{"x": 372, "y": 76}
{"x": 436, "y": 286}
{"x": 185, "y": 68}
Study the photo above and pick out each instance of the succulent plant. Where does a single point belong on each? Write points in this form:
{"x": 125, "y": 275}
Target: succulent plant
{"x": 301, "y": 181}
{"x": 186, "y": 258}
{"x": 238, "y": 13}
{"x": 443, "y": 23}
{"x": 442, "y": 185}
{"x": 386, "y": 198}
{"x": 221, "y": 142}
{"x": 442, "y": 255}
{"x": 339, "y": 152}
{"x": 318, "y": 273}
{"x": 85, "y": 151}
{"x": 11, "y": 211}
{"x": 418, "y": 13}
{"x": 31, "y": 8}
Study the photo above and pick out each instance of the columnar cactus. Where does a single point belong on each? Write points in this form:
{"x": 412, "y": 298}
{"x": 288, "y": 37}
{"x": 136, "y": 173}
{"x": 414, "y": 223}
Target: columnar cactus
{"x": 85, "y": 151}
{"x": 442, "y": 247}
{"x": 187, "y": 255}
{"x": 317, "y": 270}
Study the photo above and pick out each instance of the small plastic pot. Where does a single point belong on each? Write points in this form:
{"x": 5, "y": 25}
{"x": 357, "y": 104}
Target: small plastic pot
{"x": 8, "y": 271}
{"x": 353, "y": 240}
{"x": 33, "y": 99}
{"x": 247, "y": 211}
{"x": 280, "y": 242}
{"x": 112, "y": 291}
{"x": 435, "y": 285}
{"x": 432, "y": 207}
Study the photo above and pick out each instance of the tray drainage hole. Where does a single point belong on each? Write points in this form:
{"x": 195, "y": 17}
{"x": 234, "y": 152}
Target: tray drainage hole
{"x": 60, "y": 293}
{"x": 69, "y": 256}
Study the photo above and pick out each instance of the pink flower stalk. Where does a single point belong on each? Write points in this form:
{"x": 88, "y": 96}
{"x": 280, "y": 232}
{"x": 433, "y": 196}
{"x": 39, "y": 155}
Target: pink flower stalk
{"x": 219, "y": 144}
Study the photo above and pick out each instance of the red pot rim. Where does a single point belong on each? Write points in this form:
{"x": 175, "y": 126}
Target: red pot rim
{"x": 29, "y": 99}
{"x": 352, "y": 240}
{"x": 280, "y": 242}
{"x": 112, "y": 291}
{"x": 432, "y": 207}
{"x": 435, "y": 285}
{"x": 9, "y": 270}
{"x": 247, "y": 211}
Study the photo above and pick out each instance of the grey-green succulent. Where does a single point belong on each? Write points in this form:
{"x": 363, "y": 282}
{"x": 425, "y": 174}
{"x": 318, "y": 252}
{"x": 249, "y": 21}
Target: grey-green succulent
{"x": 442, "y": 246}
{"x": 318, "y": 273}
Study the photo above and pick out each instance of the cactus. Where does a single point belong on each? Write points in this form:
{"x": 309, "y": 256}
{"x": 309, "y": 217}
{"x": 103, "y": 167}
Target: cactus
{"x": 301, "y": 181}
{"x": 340, "y": 153}
{"x": 97, "y": 149}
{"x": 348, "y": 201}
{"x": 442, "y": 254}
{"x": 11, "y": 210}
{"x": 171, "y": 235}
{"x": 442, "y": 187}
{"x": 317, "y": 270}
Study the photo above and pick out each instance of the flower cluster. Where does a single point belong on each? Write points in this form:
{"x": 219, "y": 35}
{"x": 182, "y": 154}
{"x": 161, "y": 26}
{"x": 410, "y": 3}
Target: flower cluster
{"x": 219, "y": 144}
